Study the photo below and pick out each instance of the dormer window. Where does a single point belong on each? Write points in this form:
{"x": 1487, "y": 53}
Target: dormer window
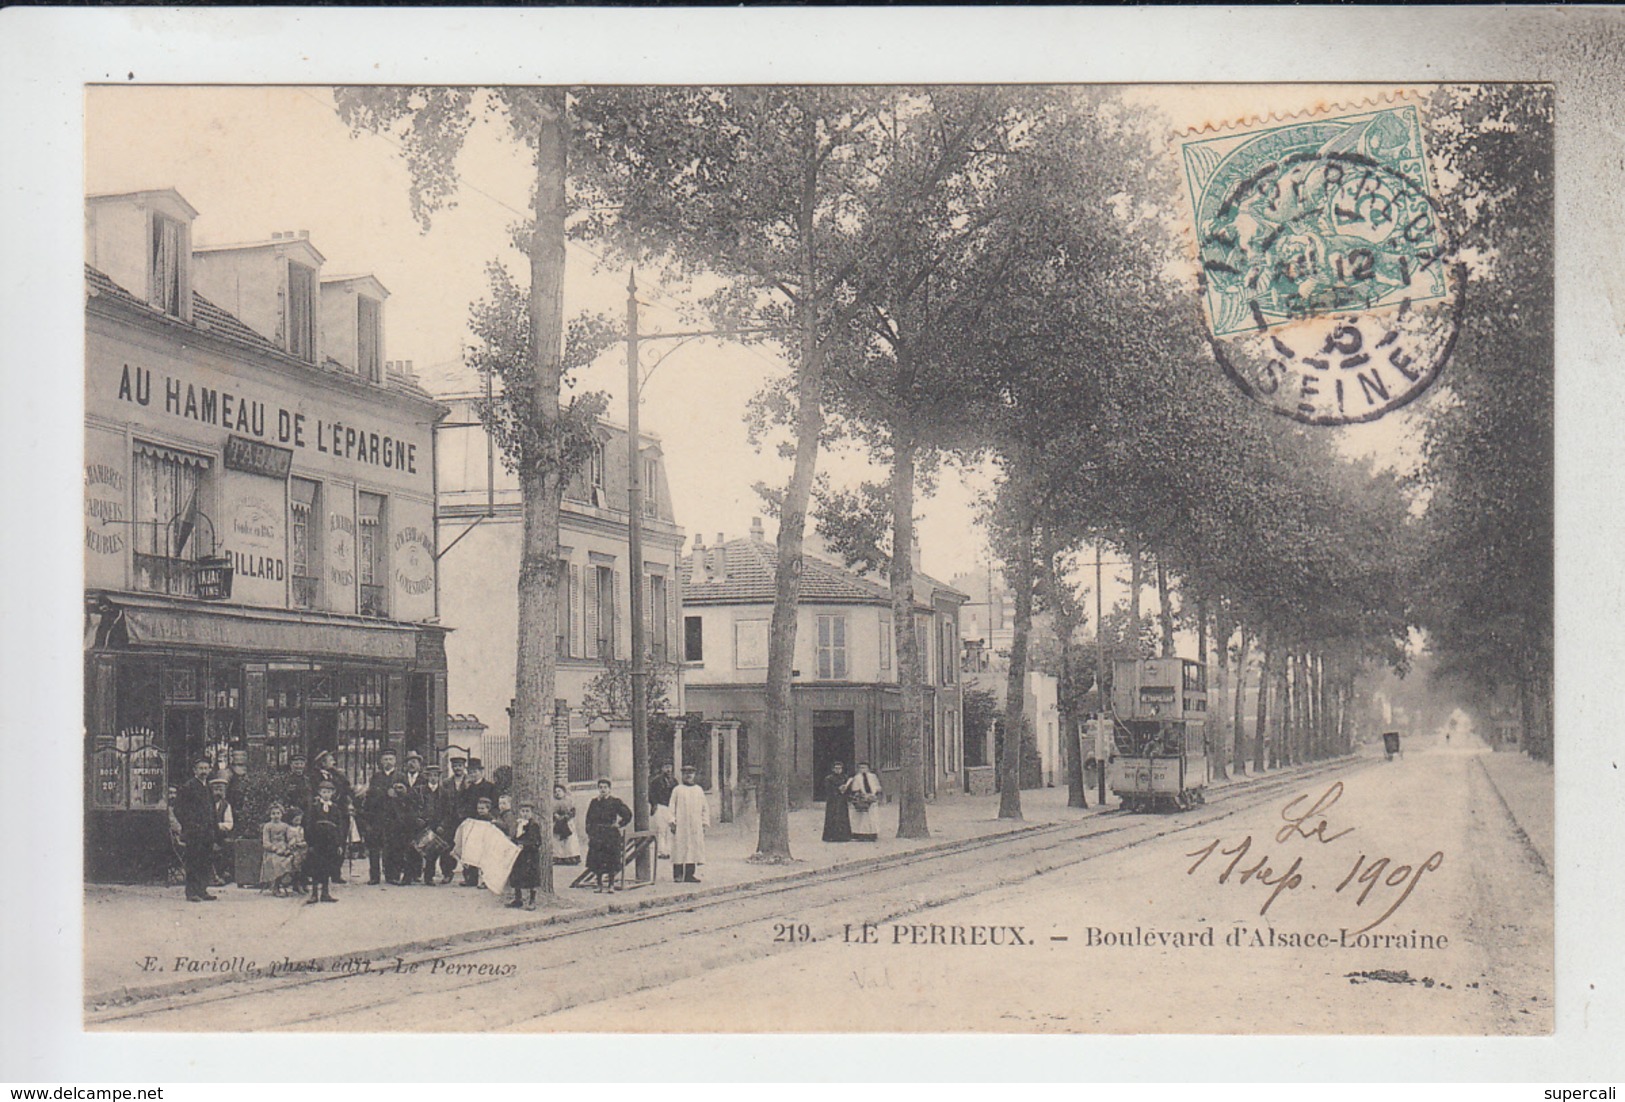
{"x": 168, "y": 245}
{"x": 369, "y": 339}
{"x": 302, "y": 312}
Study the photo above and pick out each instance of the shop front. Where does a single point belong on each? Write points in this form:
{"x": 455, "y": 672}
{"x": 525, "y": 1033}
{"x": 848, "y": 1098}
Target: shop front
{"x": 171, "y": 681}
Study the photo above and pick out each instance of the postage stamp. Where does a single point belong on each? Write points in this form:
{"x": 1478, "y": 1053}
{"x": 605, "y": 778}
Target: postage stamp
{"x": 1327, "y": 273}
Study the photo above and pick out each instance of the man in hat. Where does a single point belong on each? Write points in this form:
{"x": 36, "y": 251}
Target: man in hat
{"x": 437, "y": 810}
{"x": 412, "y": 773}
{"x": 192, "y": 821}
{"x": 690, "y": 814}
{"x": 397, "y": 818}
{"x": 373, "y": 812}
{"x": 224, "y": 824}
{"x": 326, "y": 832}
{"x": 475, "y": 789}
{"x": 296, "y": 790}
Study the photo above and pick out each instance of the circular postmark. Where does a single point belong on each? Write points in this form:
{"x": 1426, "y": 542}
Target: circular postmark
{"x": 1331, "y": 289}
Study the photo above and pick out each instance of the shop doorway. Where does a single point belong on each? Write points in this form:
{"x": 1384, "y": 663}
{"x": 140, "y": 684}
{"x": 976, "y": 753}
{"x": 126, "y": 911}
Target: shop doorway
{"x": 834, "y": 740}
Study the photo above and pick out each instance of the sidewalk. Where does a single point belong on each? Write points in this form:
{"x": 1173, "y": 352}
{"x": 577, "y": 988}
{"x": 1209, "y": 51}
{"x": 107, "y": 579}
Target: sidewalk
{"x": 146, "y": 937}
{"x": 1530, "y": 794}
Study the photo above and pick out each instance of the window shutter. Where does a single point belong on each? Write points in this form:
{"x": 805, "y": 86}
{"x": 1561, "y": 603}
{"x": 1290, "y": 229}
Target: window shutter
{"x": 613, "y": 635}
{"x": 839, "y": 638}
{"x": 574, "y": 597}
{"x": 395, "y": 706}
{"x": 104, "y": 697}
{"x": 592, "y": 611}
{"x": 648, "y": 610}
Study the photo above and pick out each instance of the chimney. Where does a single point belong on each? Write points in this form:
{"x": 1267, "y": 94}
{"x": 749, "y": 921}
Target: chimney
{"x": 719, "y": 572}
{"x": 756, "y": 533}
{"x": 914, "y": 554}
{"x": 697, "y": 561}
{"x": 720, "y": 540}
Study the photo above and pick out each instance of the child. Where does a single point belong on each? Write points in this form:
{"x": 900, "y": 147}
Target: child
{"x": 276, "y": 862}
{"x": 527, "y": 868}
{"x": 566, "y": 843}
{"x": 325, "y": 834}
{"x": 296, "y": 851}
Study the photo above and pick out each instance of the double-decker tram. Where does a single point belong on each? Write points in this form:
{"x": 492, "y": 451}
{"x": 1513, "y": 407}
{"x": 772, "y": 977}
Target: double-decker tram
{"x": 1160, "y": 728}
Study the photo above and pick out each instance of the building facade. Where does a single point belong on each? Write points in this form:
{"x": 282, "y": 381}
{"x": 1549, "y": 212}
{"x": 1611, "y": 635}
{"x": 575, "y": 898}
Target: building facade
{"x": 481, "y": 524}
{"x": 847, "y": 704}
{"x": 259, "y": 521}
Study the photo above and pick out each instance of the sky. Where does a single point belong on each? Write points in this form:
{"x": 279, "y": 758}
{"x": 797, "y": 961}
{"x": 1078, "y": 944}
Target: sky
{"x": 254, "y": 160}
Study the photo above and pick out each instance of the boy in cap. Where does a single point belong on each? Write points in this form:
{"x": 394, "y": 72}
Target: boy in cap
{"x": 224, "y": 822}
{"x": 398, "y": 820}
{"x": 437, "y": 811}
{"x": 326, "y": 829}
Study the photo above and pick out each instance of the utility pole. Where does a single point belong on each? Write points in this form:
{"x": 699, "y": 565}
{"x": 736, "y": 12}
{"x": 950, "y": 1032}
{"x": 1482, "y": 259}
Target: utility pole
{"x": 634, "y": 551}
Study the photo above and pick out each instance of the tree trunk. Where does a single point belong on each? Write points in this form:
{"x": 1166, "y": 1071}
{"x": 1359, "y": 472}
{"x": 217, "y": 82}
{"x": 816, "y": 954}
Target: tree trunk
{"x": 1064, "y": 620}
{"x": 1239, "y": 706}
{"x": 1165, "y": 610}
{"x": 773, "y": 835}
{"x": 1136, "y": 578}
{"x": 911, "y": 822}
{"x": 541, "y": 488}
{"x": 1261, "y": 713}
{"x": 1218, "y": 743}
{"x": 1281, "y": 741}
{"x": 1019, "y": 573}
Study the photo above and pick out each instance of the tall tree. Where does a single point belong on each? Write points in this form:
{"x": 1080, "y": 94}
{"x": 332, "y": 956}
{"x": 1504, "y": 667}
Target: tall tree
{"x": 790, "y": 196}
{"x": 542, "y": 437}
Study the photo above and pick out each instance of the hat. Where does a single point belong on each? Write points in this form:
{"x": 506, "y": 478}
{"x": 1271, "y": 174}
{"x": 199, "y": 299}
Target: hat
{"x": 456, "y": 753}
{"x": 298, "y": 755}
{"x": 474, "y": 763}
{"x": 326, "y": 782}
{"x": 239, "y": 757}
{"x": 690, "y": 769}
{"x": 220, "y": 778}
{"x": 400, "y": 785}
{"x": 413, "y": 755}
{"x": 431, "y": 768}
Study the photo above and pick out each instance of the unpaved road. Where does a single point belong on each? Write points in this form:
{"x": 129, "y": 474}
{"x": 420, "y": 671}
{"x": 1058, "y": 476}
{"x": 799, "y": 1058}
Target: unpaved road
{"x": 1007, "y": 934}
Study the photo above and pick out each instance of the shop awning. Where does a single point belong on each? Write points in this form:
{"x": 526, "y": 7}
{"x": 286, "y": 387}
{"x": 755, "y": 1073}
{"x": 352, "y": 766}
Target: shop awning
{"x": 265, "y": 632}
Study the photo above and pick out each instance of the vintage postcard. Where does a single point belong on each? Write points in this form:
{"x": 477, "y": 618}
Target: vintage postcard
{"x": 1071, "y": 555}
{"x": 314, "y": 468}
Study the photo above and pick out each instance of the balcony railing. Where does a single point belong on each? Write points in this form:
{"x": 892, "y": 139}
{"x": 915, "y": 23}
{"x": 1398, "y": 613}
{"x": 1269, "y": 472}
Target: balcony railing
{"x": 372, "y": 601}
{"x": 158, "y": 574}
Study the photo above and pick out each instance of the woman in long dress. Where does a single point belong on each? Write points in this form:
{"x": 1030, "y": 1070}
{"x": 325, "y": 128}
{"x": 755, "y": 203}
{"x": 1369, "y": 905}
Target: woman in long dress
{"x": 606, "y": 815}
{"x": 863, "y": 792}
{"x": 837, "y": 820}
{"x": 566, "y": 841}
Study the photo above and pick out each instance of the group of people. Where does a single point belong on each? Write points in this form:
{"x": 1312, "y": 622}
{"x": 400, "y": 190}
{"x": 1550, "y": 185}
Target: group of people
{"x": 411, "y": 821}
{"x": 849, "y": 804}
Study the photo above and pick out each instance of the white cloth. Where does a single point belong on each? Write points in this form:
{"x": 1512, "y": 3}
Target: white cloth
{"x": 483, "y": 845}
{"x": 691, "y": 814}
{"x": 864, "y": 820}
{"x": 661, "y": 823}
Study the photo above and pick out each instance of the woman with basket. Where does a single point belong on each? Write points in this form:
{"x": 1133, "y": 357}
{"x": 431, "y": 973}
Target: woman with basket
{"x": 862, "y": 793}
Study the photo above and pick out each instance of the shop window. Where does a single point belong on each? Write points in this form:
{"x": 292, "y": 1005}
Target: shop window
{"x": 371, "y": 535}
{"x": 304, "y": 541}
{"x": 693, "y": 639}
{"x": 832, "y": 648}
{"x": 168, "y": 250}
{"x": 171, "y": 529}
{"x": 284, "y": 720}
{"x": 360, "y": 726}
{"x": 889, "y": 741}
{"x": 369, "y": 340}
{"x": 302, "y": 312}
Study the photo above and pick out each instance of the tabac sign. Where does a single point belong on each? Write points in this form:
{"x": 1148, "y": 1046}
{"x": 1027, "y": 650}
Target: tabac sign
{"x": 256, "y": 457}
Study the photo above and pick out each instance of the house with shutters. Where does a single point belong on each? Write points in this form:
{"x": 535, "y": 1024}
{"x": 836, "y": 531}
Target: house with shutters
{"x": 259, "y": 502}
{"x": 844, "y": 685}
{"x": 480, "y": 528}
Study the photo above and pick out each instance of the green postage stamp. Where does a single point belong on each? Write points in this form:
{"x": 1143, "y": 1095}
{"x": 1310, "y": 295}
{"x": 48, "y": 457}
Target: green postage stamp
{"x": 1326, "y": 271}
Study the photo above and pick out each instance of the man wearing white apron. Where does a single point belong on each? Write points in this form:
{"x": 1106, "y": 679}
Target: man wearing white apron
{"x": 661, "y": 787}
{"x": 691, "y": 814}
{"x": 863, "y": 793}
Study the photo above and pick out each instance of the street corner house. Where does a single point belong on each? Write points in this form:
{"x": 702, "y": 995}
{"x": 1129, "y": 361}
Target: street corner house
{"x": 481, "y": 525}
{"x": 259, "y": 512}
{"x": 847, "y": 705}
